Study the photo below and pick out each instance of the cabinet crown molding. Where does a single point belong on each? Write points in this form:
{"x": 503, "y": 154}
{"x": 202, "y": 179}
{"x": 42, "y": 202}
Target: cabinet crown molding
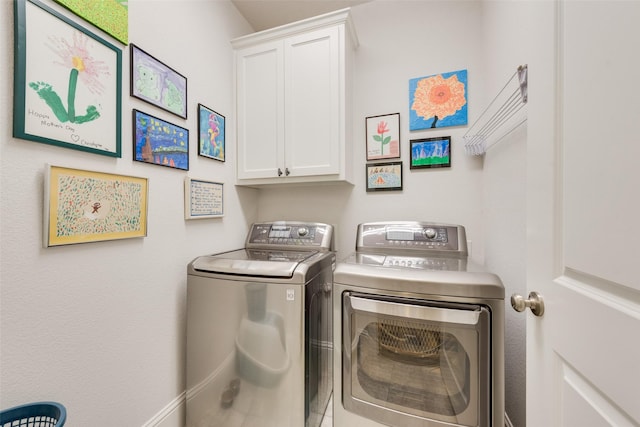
{"x": 342, "y": 16}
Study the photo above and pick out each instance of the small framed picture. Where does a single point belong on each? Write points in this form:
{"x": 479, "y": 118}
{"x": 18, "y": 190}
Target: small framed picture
{"x": 156, "y": 83}
{"x": 383, "y": 136}
{"x": 431, "y": 152}
{"x": 159, "y": 142}
{"x": 202, "y": 199}
{"x": 384, "y": 176}
{"x": 210, "y": 133}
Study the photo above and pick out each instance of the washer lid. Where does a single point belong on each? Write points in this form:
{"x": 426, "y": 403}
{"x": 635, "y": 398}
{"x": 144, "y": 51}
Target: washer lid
{"x": 253, "y": 262}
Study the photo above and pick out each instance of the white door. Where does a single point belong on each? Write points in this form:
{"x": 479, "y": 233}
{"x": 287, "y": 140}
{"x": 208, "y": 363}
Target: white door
{"x": 583, "y": 216}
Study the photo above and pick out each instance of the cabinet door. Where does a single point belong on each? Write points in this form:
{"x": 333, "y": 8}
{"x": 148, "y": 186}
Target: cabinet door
{"x": 314, "y": 107}
{"x": 260, "y": 107}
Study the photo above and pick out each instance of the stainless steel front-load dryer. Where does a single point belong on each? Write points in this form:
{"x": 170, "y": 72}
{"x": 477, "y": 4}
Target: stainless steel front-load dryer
{"x": 259, "y": 331}
{"x": 419, "y": 331}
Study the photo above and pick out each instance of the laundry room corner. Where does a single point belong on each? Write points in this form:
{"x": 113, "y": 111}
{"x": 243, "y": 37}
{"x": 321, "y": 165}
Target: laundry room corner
{"x": 107, "y": 319}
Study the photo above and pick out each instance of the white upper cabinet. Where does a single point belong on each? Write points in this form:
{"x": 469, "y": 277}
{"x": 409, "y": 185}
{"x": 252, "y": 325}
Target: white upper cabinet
{"x": 293, "y": 102}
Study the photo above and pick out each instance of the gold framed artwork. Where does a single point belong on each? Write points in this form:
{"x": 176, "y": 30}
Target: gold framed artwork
{"x": 82, "y": 206}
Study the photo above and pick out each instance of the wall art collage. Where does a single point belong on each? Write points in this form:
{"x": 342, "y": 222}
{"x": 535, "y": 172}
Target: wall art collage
{"x": 435, "y": 101}
{"x": 68, "y": 93}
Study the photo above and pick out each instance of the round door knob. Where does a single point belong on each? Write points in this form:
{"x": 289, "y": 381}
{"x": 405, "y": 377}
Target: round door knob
{"x": 535, "y": 303}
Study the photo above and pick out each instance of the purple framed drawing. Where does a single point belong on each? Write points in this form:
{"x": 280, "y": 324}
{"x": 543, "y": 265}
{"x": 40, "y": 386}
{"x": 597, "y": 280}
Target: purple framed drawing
{"x": 156, "y": 83}
{"x": 383, "y": 136}
{"x": 210, "y": 133}
{"x": 158, "y": 142}
{"x": 438, "y": 101}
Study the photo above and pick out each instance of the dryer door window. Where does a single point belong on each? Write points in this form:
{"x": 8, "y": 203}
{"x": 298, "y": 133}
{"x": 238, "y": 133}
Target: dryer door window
{"x": 408, "y": 360}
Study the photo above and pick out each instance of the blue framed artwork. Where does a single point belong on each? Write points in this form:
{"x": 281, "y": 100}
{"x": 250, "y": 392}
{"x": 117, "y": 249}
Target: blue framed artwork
{"x": 431, "y": 152}
{"x": 210, "y": 133}
{"x": 67, "y": 83}
{"x": 438, "y": 101}
{"x": 158, "y": 142}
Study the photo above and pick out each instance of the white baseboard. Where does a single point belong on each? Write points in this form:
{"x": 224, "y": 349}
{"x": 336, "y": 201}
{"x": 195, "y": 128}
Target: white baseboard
{"x": 172, "y": 415}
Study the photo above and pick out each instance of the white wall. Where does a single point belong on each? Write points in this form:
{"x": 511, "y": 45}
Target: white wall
{"x": 506, "y": 25}
{"x": 100, "y": 326}
{"x": 400, "y": 40}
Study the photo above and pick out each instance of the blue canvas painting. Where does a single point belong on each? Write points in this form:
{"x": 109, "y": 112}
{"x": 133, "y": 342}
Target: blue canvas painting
{"x": 438, "y": 101}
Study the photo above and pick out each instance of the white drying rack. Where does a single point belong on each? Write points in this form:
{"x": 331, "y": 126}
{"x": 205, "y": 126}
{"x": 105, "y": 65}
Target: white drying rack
{"x": 503, "y": 115}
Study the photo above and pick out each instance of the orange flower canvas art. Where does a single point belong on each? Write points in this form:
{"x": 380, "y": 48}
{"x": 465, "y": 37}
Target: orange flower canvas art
{"x": 438, "y": 101}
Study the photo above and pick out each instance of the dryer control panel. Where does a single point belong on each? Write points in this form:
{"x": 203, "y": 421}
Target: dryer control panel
{"x": 291, "y": 234}
{"x": 414, "y": 236}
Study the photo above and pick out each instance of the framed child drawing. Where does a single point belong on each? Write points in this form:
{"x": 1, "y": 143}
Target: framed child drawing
{"x": 68, "y": 83}
{"x": 383, "y": 136}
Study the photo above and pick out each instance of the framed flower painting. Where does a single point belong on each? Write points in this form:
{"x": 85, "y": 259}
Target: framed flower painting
{"x": 67, "y": 82}
{"x": 438, "y": 101}
{"x": 383, "y": 136}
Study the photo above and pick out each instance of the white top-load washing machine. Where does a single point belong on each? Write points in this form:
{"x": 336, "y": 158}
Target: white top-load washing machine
{"x": 418, "y": 331}
{"x": 259, "y": 331}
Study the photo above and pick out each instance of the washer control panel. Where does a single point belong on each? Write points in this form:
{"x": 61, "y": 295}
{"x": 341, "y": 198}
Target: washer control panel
{"x": 412, "y": 235}
{"x": 294, "y": 234}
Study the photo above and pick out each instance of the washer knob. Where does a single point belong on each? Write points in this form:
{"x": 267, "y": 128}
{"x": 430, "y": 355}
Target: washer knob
{"x": 430, "y": 233}
{"x": 303, "y": 231}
